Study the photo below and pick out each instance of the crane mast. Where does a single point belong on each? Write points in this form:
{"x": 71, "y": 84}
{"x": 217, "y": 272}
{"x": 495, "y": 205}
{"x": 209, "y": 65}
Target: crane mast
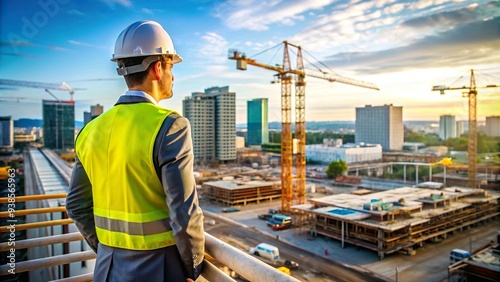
{"x": 300, "y": 132}
{"x": 472, "y": 146}
{"x": 293, "y": 193}
{"x": 286, "y": 134}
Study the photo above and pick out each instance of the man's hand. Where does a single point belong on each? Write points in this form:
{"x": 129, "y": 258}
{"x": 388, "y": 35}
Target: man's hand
{"x": 189, "y": 280}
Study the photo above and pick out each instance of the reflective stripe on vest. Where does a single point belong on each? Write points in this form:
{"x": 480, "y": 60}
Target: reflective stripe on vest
{"x": 133, "y": 228}
{"x": 116, "y": 151}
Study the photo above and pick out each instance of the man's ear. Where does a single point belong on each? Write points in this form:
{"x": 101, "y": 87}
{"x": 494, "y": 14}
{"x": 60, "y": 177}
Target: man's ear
{"x": 157, "y": 71}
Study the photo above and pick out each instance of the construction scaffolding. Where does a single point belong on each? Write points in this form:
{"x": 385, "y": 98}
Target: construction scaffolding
{"x": 399, "y": 219}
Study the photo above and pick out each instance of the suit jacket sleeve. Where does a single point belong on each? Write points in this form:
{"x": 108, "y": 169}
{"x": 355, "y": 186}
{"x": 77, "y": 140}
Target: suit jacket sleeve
{"x": 79, "y": 204}
{"x": 175, "y": 168}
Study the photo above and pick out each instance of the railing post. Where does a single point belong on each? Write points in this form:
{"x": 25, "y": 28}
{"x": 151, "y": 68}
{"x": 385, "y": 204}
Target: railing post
{"x": 66, "y": 270}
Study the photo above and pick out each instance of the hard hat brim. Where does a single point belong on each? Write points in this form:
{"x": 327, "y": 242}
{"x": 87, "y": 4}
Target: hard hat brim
{"x": 175, "y": 58}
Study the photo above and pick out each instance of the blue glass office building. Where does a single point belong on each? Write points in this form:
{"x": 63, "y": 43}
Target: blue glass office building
{"x": 58, "y": 124}
{"x": 258, "y": 131}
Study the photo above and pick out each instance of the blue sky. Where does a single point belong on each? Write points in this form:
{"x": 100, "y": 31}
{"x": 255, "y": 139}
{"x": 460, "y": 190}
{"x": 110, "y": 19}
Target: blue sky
{"x": 404, "y": 47}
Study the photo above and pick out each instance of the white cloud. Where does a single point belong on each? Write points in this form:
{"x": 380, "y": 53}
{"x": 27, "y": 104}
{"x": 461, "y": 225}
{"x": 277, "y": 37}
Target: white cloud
{"x": 374, "y": 25}
{"x": 213, "y": 51}
{"x": 259, "y": 15}
{"x": 112, "y": 3}
{"x": 75, "y": 12}
{"x": 340, "y": 27}
{"x": 57, "y": 48}
{"x": 147, "y": 11}
{"x": 151, "y": 11}
{"x": 74, "y": 42}
{"x": 217, "y": 68}
{"x": 255, "y": 45}
{"x": 383, "y": 3}
{"x": 418, "y": 5}
{"x": 394, "y": 9}
{"x": 214, "y": 47}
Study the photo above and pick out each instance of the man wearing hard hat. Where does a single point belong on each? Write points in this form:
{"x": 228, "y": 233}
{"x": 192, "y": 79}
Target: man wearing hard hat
{"x": 132, "y": 192}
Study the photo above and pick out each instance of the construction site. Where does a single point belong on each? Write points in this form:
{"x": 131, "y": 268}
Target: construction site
{"x": 398, "y": 219}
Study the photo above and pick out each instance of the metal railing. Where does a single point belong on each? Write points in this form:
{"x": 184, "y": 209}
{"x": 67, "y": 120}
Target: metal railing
{"x": 238, "y": 261}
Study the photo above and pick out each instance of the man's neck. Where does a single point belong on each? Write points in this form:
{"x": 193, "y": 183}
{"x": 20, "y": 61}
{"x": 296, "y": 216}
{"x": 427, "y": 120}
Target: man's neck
{"x": 149, "y": 87}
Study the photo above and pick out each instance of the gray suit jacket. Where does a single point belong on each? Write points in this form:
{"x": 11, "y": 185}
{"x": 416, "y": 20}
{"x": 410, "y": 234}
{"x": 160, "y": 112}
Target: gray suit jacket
{"x": 173, "y": 159}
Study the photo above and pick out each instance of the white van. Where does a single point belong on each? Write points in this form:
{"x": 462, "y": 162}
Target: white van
{"x": 457, "y": 255}
{"x": 266, "y": 251}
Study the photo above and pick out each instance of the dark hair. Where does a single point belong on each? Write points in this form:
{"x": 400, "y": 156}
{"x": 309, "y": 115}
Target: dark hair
{"x": 137, "y": 78}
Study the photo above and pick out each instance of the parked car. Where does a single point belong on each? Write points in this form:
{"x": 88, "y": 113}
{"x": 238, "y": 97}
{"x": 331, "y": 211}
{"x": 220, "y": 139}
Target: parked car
{"x": 291, "y": 264}
{"x": 265, "y": 216}
{"x": 231, "y": 209}
{"x": 273, "y": 211}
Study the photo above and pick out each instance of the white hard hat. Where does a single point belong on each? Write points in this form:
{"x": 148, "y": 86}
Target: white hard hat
{"x": 144, "y": 38}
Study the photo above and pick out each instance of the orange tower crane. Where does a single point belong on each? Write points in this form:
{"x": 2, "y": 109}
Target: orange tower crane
{"x": 472, "y": 146}
{"x": 293, "y": 193}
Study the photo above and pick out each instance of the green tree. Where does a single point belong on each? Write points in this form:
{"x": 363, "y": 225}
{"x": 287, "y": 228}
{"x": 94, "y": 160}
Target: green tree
{"x": 411, "y": 136}
{"x": 427, "y": 139}
{"x": 336, "y": 168}
{"x": 432, "y": 140}
{"x": 482, "y": 146}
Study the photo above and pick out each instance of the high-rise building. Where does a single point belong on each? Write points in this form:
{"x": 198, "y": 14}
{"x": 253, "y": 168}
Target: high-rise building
{"x": 462, "y": 126}
{"x": 212, "y": 115}
{"x": 258, "y": 131}
{"x": 58, "y": 124}
{"x": 87, "y": 117}
{"x": 96, "y": 110}
{"x": 380, "y": 125}
{"x": 199, "y": 110}
{"x": 6, "y": 134}
{"x": 447, "y": 127}
{"x": 493, "y": 126}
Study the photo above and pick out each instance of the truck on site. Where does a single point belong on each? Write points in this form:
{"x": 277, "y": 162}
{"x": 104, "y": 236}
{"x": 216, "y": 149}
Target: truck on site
{"x": 280, "y": 222}
{"x": 457, "y": 255}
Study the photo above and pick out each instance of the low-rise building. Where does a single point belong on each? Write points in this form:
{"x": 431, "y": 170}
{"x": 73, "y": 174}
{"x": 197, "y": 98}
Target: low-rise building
{"x": 350, "y": 153}
{"x": 237, "y": 192}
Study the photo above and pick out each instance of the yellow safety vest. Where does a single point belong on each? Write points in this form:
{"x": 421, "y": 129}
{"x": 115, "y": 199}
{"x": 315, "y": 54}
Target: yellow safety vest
{"x": 116, "y": 151}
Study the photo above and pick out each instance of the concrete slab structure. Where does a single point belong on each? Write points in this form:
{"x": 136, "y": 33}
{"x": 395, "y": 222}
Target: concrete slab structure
{"x": 235, "y": 192}
{"x": 398, "y": 219}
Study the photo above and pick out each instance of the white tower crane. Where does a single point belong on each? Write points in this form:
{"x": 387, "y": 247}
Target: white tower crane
{"x": 47, "y": 86}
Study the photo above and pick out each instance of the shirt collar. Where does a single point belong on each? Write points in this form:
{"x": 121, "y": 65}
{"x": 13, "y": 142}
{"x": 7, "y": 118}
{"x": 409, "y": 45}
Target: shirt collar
{"x": 141, "y": 94}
